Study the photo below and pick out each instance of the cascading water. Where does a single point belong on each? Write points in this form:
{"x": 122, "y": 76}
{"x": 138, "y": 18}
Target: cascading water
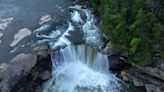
{"x": 80, "y": 68}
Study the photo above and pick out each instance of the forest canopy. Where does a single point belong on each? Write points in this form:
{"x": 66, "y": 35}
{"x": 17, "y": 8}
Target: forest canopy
{"x": 134, "y": 26}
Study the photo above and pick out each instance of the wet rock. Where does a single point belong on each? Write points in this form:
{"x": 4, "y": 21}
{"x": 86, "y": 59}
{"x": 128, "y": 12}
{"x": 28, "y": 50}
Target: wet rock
{"x": 155, "y": 72}
{"x": 154, "y": 81}
{"x": 22, "y": 33}
{"x": 152, "y": 88}
{"x": 41, "y": 50}
{"x": 45, "y": 19}
{"x": 124, "y": 76}
{"x": 15, "y": 70}
{"x": 42, "y": 28}
{"x": 109, "y": 50}
{"x": 125, "y": 54}
{"x": 38, "y": 75}
{"x": 5, "y": 22}
{"x": 137, "y": 83}
{"x": 45, "y": 75}
{"x": 160, "y": 65}
{"x": 116, "y": 64}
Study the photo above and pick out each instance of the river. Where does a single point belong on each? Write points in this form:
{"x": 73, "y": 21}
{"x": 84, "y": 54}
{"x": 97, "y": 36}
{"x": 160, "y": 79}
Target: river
{"x": 26, "y": 14}
{"x": 74, "y": 39}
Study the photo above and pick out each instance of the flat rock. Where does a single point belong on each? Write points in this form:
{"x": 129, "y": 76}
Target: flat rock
{"x": 45, "y": 75}
{"x": 115, "y": 63}
{"x": 41, "y": 50}
{"x": 152, "y": 88}
{"x": 22, "y": 33}
{"x": 124, "y": 76}
{"x": 137, "y": 83}
{"x": 155, "y": 72}
{"x": 45, "y": 19}
{"x": 12, "y": 72}
{"x": 5, "y": 22}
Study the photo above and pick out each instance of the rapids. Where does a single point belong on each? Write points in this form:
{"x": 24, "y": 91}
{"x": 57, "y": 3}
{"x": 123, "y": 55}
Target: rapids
{"x": 79, "y": 68}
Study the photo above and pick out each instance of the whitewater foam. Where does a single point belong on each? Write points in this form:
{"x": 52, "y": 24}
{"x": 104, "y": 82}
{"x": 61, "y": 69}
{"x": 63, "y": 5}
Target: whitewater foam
{"x": 80, "y": 68}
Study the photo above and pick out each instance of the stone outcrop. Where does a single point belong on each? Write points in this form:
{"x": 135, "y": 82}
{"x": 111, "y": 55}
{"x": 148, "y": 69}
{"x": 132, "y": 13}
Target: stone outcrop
{"x": 40, "y": 73}
{"x": 12, "y": 72}
{"x": 150, "y": 77}
{"x": 26, "y": 71}
{"x": 41, "y": 50}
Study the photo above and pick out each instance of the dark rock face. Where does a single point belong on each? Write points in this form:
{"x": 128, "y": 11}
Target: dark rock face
{"x": 141, "y": 76}
{"x": 26, "y": 72}
{"x": 39, "y": 74}
{"x": 12, "y": 72}
{"x": 149, "y": 78}
{"x": 116, "y": 64}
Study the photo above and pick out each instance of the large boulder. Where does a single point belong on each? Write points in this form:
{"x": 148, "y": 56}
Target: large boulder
{"x": 40, "y": 73}
{"x": 22, "y": 33}
{"x": 116, "y": 64}
{"x": 12, "y": 72}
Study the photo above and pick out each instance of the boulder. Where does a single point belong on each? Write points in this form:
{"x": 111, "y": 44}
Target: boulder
{"x": 115, "y": 64}
{"x": 155, "y": 72}
{"x": 45, "y": 19}
{"x": 22, "y": 33}
{"x": 45, "y": 75}
{"x": 152, "y": 88}
{"x": 12, "y": 72}
{"x": 37, "y": 76}
{"x": 137, "y": 83}
{"x": 41, "y": 50}
{"x": 5, "y": 22}
{"x": 124, "y": 76}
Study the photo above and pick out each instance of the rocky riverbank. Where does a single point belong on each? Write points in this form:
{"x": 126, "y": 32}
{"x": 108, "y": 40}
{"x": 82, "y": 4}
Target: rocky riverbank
{"x": 27, "y": 71}
{"x": 151, "y": 78}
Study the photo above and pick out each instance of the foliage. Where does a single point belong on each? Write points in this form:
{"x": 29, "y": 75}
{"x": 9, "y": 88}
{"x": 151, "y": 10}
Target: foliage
{"x": 134, "y": 27}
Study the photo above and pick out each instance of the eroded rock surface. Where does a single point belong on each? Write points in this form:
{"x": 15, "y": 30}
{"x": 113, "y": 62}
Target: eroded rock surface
{"x": 40, "y": 73}
{"x": 11, "y": 73}
{"x": 22, "y": 33}
{"x": 5, "y": 22}
{"x": 45, "y": 19}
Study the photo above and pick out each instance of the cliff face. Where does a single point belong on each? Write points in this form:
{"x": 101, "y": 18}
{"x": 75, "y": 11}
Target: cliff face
{"x": 135, "y": 27}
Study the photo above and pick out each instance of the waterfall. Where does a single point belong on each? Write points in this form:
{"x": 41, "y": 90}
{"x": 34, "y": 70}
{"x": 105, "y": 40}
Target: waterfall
{"x": 79, "y": 68}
